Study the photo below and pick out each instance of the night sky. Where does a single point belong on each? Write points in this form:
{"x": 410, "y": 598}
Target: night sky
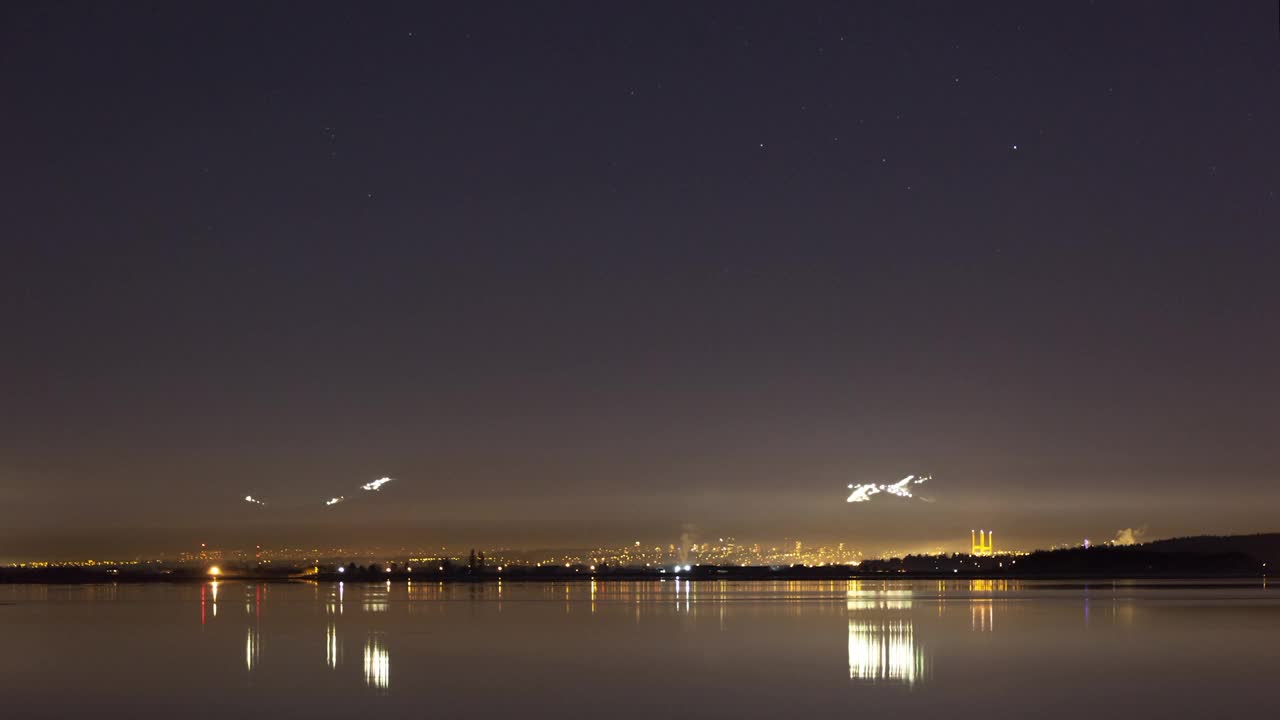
{"x": 592, "y": 272}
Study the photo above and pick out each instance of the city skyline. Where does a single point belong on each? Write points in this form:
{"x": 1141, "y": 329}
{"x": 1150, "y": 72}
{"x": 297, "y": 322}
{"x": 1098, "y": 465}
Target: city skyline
{"x": 724, "y": 550}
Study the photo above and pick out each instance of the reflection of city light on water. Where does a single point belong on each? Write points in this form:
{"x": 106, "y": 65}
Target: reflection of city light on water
{"x": 884, "y": 651}
{"x": 251, "y": 649}
{"x": 205, "y": 607}
{"x": 982, "y": 616}
{"x": 883, "y": 648}
{"x": 377, "y": 663}
{"x": 375, "y": 599}
{"x": 331, "y": 650}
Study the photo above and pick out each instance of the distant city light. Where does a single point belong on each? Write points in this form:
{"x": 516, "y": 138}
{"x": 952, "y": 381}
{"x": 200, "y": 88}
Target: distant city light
{"x": 215, "y": 571}
{"x": 341, "y": 569}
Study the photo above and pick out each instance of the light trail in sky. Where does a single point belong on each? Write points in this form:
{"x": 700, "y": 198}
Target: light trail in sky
{"x": 864, "y": 491}
{"x": 374, "y": 486}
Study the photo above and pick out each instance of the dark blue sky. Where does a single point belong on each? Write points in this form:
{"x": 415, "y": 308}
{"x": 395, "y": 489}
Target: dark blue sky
{"x": 575, "y": 272}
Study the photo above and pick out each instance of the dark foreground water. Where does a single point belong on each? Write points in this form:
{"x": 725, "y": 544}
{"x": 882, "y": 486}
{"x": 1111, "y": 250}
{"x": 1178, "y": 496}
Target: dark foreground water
{"x": 986, "y": 649}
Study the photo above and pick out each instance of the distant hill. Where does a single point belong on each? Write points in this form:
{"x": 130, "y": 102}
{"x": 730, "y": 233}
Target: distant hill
{"x": 1264, "y": 547}
{"x": 1135, "y": 561}
{"x": 1204, "y": 555}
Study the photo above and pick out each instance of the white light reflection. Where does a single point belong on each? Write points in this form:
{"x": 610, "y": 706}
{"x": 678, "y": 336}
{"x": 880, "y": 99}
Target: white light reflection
{"x": 252, "y": 644}
{"x": 334, "y": 604}
{"x": 882, "y": 643}
{"x": 377, "y": 663}
{"x": 332, "y": 651}
{"x": 884, "y": 650}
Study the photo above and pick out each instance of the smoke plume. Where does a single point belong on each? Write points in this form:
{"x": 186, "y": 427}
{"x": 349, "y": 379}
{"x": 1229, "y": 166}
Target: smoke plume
{"x": 1129, "y": 536}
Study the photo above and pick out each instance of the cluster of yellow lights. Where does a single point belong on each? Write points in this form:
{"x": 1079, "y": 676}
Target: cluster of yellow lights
{"x": 982, "y": 544}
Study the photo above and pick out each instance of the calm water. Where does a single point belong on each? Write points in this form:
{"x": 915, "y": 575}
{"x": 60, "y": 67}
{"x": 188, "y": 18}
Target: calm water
{"x": 641, "y": 649}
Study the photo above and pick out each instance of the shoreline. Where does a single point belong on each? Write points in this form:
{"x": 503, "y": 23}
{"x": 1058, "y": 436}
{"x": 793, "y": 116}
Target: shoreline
{"x": 44, "y": 577}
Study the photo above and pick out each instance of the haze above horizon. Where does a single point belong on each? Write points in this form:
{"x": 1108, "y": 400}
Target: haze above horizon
{"x": 580, "y": 274}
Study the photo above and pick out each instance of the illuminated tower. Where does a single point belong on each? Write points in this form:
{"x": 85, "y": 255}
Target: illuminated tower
{"x": 982, "y": 544}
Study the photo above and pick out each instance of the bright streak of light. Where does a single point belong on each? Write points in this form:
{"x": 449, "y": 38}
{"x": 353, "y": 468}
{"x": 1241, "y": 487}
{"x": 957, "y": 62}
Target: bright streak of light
{"x": 862, "y": 492}
{"x": 333, "y": 501}
{"x": 884, "y": 650}
{"x": 251, "y": 649}
{"x": 376, "y": 484}
{"x": 331, "y": 649}
{"x": 254, "y": 500}
{"x": 377, "y": 664}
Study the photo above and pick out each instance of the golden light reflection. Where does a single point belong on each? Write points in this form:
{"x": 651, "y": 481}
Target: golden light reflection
{"x": 982, "y": 616}
{"x": 857, "y": 599}
{"x": 375, "y": 599}
{"x": 377, "y": 663}
{"x": 993, "y": 585}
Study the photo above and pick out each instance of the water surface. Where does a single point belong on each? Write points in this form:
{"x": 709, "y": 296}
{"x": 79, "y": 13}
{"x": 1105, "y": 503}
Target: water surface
{"x": 990, "y": 649}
